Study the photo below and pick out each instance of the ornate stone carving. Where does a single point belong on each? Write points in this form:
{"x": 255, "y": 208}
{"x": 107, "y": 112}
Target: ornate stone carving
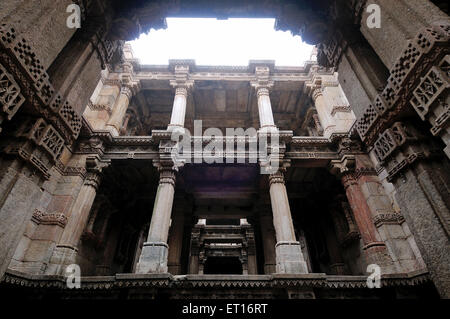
{"x": 388, "y": 218}
{"x": 10, "y": 96}
{"x": 393, "y": 138}
{"x": 341, "y": 108}
{"x": 93, "y": 179}
{"x": 431, "y": 87}
{"x": 40, "y": 217}
{"x": 100, "y": 107}
{"x": 25, "y": 67}
{"x": 277, "y": 177}
{"x": 35, "y": 142}
{"x": 166, "y": 176}
{"x": 413, "y": 79}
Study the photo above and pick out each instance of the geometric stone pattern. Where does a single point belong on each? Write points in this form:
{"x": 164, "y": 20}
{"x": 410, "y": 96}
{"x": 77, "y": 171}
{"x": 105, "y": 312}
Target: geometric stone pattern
{"x": 405, "y": 78}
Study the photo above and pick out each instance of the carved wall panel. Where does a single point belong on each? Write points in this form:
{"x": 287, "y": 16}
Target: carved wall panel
{"x": 26, "y": 70}
{"x": 10, "y": 96}
{"x": 413, "y": 79}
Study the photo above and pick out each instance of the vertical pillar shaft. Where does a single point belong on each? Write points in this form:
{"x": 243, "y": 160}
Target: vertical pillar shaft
{"x": 179, "y": 108}
{"x": 289, "y": 255}
{"x": 323, "y": 112}
{"x": 266, "y": 121}
{"x": 374, "y": 248}
{"x": 154, "y": 253}
{"x": 65, "y": 252}
{"x": 120, "y": 108}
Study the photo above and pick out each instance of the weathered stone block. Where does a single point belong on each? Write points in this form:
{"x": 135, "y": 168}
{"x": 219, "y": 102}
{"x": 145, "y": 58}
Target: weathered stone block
{"x": 290, "y": 258}
{"x": 153, "y": 258}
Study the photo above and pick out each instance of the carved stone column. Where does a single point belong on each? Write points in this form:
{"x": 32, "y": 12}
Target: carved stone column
{"x": 323, "y": 112}
{"x": 66, "y": 250}
{"x": 289, "y": 255}
{"x": 154, "y": 255}
{"x": 262, "y": 84}
{"x": 120, "y": 108}
{"x": 179, "y": 107}
{"x": 265, "y": 109}
{"x": 374, "y": 248}
{"x": 182, "y": 84}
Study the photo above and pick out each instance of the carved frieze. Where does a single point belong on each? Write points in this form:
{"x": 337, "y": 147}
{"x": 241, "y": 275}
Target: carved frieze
{"x": 44, "y": 218}
{"x": 388, "y": 218}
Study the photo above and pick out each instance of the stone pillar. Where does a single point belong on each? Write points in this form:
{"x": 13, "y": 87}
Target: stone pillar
{"x": 182, "y": 84}
{"x": 266, "y": 122}
{"x": 352, "y": 173}
{"x": 323, "y": 112}
{"x": 269, "y": 241}
{"x": 374, "y": 248}
{"x": 289, "y": 255}
{"x": 154, "y": 255}
{"x": 120, "y": 108}
{"x": 65, "y": 252}
{"x": 179, "y": 108}
{"x": 176, "y": 238}
{"x": 262, "y": 84}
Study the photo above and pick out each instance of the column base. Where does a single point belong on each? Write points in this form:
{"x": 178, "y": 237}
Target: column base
{"x": 290, "y": 258}
{"x": 113, "y": 129}
{"x": 268, "y": 129}
{"x": 153, "y": 258}
{"x": 176, "y": 128}
{"x": 63, "y": 256}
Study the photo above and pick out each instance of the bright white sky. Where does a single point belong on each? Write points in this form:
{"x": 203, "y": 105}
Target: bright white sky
{"x": 221, "y": 42}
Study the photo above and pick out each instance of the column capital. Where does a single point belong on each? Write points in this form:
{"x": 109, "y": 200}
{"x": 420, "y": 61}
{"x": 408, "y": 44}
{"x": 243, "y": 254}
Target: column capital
{"x": 93, "y": 179}
{"x": 182, "y": 86}
{"x": 342, "y": 166}
{"x": 276, "y": 178}
{"x": 129, "y": 88}
{"x": 316, "y": 93}
{"x": 166, "y": 175}
{"x": 262, "y": 85}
